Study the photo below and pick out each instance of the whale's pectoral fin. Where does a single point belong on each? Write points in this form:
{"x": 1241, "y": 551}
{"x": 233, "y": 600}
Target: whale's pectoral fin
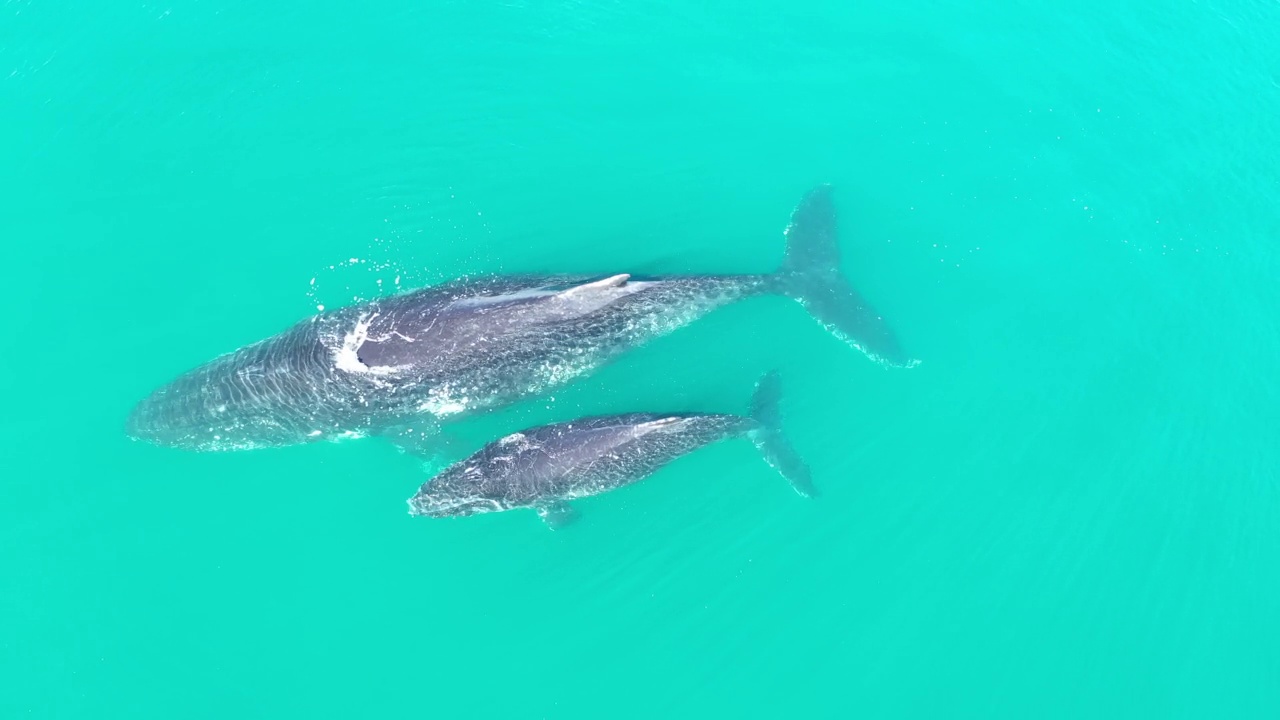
{"x": 596, "y": 287}
{"x": 587, "y": 298}
{"x": 426, "y": 442}
{"x": 558, "y": 515}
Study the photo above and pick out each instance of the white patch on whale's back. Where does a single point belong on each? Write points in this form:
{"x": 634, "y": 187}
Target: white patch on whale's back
{"x": 347, "y": 358}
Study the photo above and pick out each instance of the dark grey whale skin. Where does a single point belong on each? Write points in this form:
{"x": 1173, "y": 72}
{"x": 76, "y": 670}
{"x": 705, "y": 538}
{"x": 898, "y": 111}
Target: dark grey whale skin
{"x": 545, "y": 468}
{"x": 444, "y": 352}
{"x": 439, "y": 353}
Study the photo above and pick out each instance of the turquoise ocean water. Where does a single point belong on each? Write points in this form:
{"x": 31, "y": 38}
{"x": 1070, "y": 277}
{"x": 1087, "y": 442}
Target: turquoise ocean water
{"x": 1070, "y": 213}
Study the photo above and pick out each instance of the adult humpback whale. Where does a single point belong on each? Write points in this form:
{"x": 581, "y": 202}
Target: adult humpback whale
{"x": 544, "y": 468}
{"x": 445, "y": 351}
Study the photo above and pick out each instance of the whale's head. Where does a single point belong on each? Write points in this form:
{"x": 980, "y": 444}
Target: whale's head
{"x": 165, "y": 418}
{"x": 450, "y": 494}
{"x": 193, "y": 418}
{"x": 441, "y": 505}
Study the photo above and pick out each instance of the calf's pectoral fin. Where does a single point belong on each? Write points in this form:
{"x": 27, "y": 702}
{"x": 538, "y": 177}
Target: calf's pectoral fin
{"x": 557, "y": 515}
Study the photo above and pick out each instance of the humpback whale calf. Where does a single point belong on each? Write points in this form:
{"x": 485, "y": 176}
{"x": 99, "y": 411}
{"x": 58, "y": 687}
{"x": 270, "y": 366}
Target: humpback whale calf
{"x": 544, "y": 468}
{"x": 439, "y": 353}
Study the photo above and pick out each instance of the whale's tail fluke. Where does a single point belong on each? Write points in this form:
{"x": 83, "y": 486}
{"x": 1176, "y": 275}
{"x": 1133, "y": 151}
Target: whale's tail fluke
{"x": 811, "y": 274}
{"x": 769, "y": 439}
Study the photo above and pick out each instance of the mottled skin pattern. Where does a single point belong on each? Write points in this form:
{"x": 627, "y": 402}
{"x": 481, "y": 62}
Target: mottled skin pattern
{"x": 446, "y": 351}
{"x": 440, "y": 352}
{"x": 546, "y": 466}
{"x": 479, "y": 354}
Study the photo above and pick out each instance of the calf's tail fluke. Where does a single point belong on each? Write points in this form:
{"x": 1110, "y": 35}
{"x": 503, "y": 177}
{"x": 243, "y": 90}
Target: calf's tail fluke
{"x": 811, "y": 274}
{"x": 769, "y": 439}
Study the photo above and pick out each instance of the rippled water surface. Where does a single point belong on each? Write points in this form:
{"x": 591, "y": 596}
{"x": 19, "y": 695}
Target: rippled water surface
{"x": 1070, "y": 213}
